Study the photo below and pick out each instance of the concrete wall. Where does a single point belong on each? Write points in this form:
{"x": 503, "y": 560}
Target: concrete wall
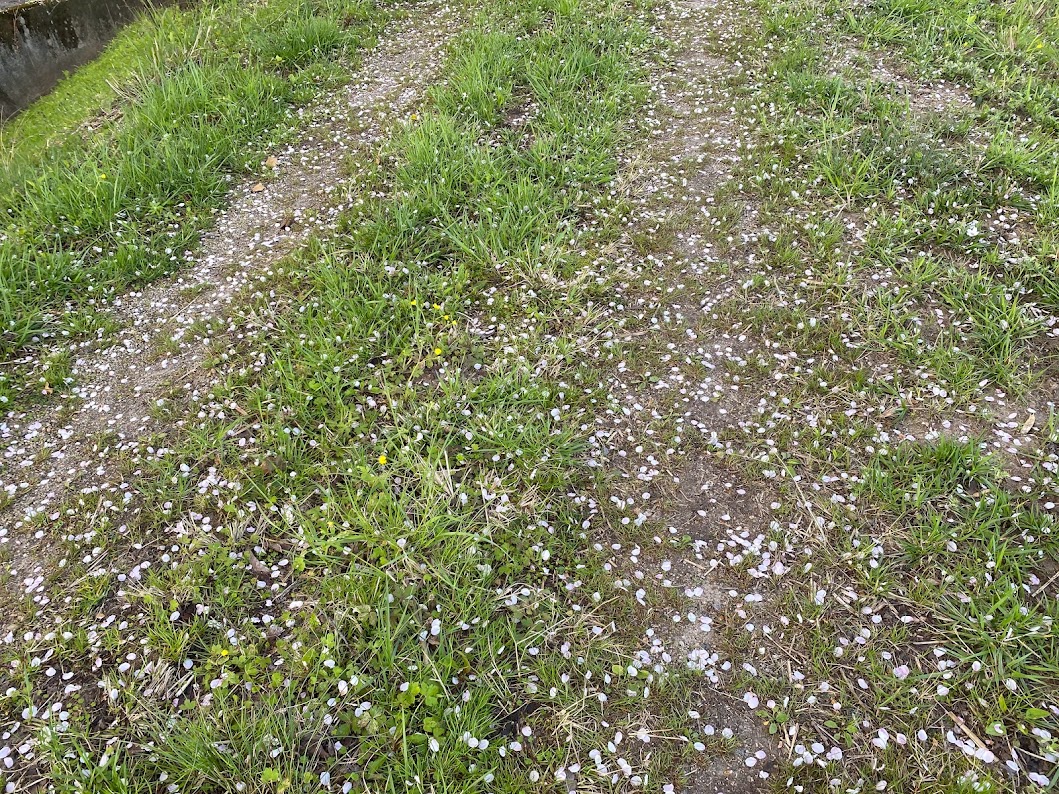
{"x": 39, "y": 41}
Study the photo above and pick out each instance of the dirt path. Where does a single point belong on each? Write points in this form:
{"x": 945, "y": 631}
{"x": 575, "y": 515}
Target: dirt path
{"x": 748, "y": 528}
{"x": 687, "y": 253}
{"x": 171, "y": 328}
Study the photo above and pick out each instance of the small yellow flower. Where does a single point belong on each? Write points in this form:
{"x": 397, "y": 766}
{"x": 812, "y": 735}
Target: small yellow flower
{"x": 412, "y": 302}
{"x": 382, "y": 460}
{"x": 437, "y": 351}
{"x": 102, "y": 176}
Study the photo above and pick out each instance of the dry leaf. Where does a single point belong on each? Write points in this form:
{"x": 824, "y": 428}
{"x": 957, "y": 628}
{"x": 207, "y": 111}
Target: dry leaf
{"x": 257, "y": 565}
{"x": 257, "y": 188}
{"x": 1027, "y": 426}
{"x": 888, "y": 413}
{"x": 271, "y": 162}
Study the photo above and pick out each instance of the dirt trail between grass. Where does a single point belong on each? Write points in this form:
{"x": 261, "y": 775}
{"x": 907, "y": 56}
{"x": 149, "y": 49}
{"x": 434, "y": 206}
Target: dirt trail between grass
{"x": 171, "y": 329}
{"x": 739, "y": 555}
{"x": 685, "y": 255}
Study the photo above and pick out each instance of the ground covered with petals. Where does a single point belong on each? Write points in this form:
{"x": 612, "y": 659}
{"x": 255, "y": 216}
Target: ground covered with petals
{"x": 608, "y": 396}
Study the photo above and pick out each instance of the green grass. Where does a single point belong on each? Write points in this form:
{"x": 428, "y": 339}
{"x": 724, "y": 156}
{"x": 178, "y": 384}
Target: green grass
{"x": 385, "y": 573}
{"x": 927, "y": 191}
{"x": 966, "y": 637}
{"x": 378, "y": 545}
{"x": 92, "y": 93}
{"x": 981, "y": 547}
{"x": 200, "y": 94}
{"x": 1007, "y": 51}
{"x": 893, "y": 266}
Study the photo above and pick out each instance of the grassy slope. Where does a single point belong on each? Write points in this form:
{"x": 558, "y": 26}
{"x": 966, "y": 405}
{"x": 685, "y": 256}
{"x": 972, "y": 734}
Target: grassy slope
{"x": 91, "y": 92}
{"x": 91, "y": 215}
{"x": 377, "y": 554}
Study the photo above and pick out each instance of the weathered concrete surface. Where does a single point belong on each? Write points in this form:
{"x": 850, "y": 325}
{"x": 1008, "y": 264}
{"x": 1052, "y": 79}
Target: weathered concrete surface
{"x": 39, "y": 41}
